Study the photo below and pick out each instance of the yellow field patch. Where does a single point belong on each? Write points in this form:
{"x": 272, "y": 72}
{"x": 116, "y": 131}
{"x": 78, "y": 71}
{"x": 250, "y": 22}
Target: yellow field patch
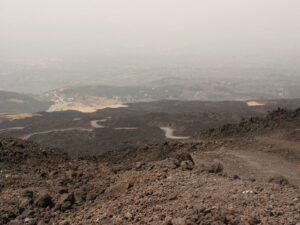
{"x": 254, "y": 103}
{"x": 15, "y": 100}
{"x": 77, "y": 106}
{"x": 18, "y": 116}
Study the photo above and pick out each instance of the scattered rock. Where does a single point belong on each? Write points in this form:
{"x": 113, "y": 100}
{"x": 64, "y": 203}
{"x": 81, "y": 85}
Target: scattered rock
{"x": 252, "y": 179}
{"x": 139, "y": 165}
{"x": 41, "y": 223}
{"x": 128, "y": 216}
{"x": 178, "y": 221}
{"x": 71, "y": 174}
{"x": 137, "y": 194}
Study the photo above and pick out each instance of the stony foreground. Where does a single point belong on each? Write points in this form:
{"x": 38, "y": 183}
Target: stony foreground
{"x": 163, "y": 183}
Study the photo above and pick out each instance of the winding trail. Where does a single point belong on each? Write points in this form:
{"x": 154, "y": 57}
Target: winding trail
{"x": 11, "y": 128}
{"x": 27, "y": 136}
{"x": 169, "y": 133}
{"x": 95, "y": 124}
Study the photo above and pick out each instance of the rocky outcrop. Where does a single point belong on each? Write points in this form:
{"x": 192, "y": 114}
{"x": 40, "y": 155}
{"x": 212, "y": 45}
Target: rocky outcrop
{"x": 280, "y": 118}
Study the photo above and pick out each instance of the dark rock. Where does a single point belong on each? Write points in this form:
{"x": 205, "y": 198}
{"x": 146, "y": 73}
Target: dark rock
{"x": 66, "y": 202}
{"x": 44, "y": 175}
{"x": 236, "y": 177}
{"x": 213, "y": 168}
{"x": 175, "y": 164}
{"x": 254, "y": 221}
{"x": 186, "y": 165}
{"x": 281, "y": 180}
{"x": 80, "y": 195}
{"x": 27, "y": 194}
{"x": 44, "y": 200}
{"x": 24, "y": 203}
{"x": 184, "y": 156}
{"x": 92, "y": 195}
{"x": 28, "y": 213}
{"x": 53, "y": 174}
{"x": 63, "y": 190}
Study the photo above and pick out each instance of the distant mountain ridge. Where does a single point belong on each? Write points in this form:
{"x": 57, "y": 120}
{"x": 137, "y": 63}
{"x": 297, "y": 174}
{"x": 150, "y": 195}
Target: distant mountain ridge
{"x": 11, "y": 102}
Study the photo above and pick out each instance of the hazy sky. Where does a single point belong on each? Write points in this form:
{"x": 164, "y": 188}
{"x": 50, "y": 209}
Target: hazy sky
{"x": 254, "y": 33}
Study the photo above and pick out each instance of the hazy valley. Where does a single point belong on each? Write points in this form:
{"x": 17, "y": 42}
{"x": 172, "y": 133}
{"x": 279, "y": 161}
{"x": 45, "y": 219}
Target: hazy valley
{"x": 148, "y": 112}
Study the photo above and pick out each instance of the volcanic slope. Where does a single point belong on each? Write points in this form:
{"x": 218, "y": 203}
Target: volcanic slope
{"x": 167, "y": 183}
{"x": 76, "y": 134}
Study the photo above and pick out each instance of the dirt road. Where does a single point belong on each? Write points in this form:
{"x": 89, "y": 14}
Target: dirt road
{"x": 260, "y": 158}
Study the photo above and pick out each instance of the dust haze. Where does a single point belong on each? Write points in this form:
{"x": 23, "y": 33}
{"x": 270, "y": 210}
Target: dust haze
{"x": 157, "y": 112}
{"x": 53, "y": 43}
